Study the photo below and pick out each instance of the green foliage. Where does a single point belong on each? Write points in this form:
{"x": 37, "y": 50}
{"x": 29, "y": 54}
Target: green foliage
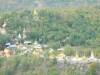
{"x": 92, "y": 69}
{"x": 57, "y": 27}
{"x": 69, "y": 51}
{"x": 3, "y": 39}
{"x": 28, "y": 65}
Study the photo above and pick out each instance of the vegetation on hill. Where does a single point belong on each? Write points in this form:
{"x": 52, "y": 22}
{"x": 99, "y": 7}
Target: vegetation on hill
{"x": 77, "y": 25}
{"x": 29, "y": 65}
{"x": 60, "y": 27}
{"x": 56, "y": 27}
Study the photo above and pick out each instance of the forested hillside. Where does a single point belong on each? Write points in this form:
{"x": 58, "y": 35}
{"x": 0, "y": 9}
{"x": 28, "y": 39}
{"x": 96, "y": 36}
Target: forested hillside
{"x": 49, "y": 37}
{"x": 61, "y": 26}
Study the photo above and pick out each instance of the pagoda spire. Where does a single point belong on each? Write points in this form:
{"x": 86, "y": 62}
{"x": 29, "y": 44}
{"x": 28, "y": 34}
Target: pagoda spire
{"x": 92, "y": 55}
{"x": 24, "y": 33}
{"x": 2, "y": 28}
{"x": 19, "y": 36}
{"x": 77, "y": 56}
{"x": 35, "y": 12}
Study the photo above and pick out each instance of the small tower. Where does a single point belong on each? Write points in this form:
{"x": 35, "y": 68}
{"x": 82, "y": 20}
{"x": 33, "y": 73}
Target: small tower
{"x": 2, "y": 28}
{"x": 84, "y": 56}
{"x": 24, "y": 33}
{"x": 92, "y": 58}
{"x": 4, "y": 25}
{"x": 92, "y": 55}
{"x": 38, "y": 47}
{"x": 19, "y": 36}
{"x": 35, "y": 13}
{"x": 77, "y": 56}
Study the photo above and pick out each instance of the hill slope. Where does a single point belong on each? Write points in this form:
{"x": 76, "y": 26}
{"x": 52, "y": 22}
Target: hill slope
{"x": 29, "y": 4}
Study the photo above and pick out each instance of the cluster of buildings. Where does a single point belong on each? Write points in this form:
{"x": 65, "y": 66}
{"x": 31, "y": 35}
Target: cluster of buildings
{"x": 38, "y": 50}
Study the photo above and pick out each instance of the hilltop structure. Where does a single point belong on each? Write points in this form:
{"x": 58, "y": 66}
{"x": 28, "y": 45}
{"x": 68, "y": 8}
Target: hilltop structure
{"x": 2, "y": 28}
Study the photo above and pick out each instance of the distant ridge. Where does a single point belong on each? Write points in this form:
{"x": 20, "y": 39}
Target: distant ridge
{"x": 29, "y": 4}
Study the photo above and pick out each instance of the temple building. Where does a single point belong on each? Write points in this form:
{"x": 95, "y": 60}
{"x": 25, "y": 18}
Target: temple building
{"x": 38, "y": 47}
